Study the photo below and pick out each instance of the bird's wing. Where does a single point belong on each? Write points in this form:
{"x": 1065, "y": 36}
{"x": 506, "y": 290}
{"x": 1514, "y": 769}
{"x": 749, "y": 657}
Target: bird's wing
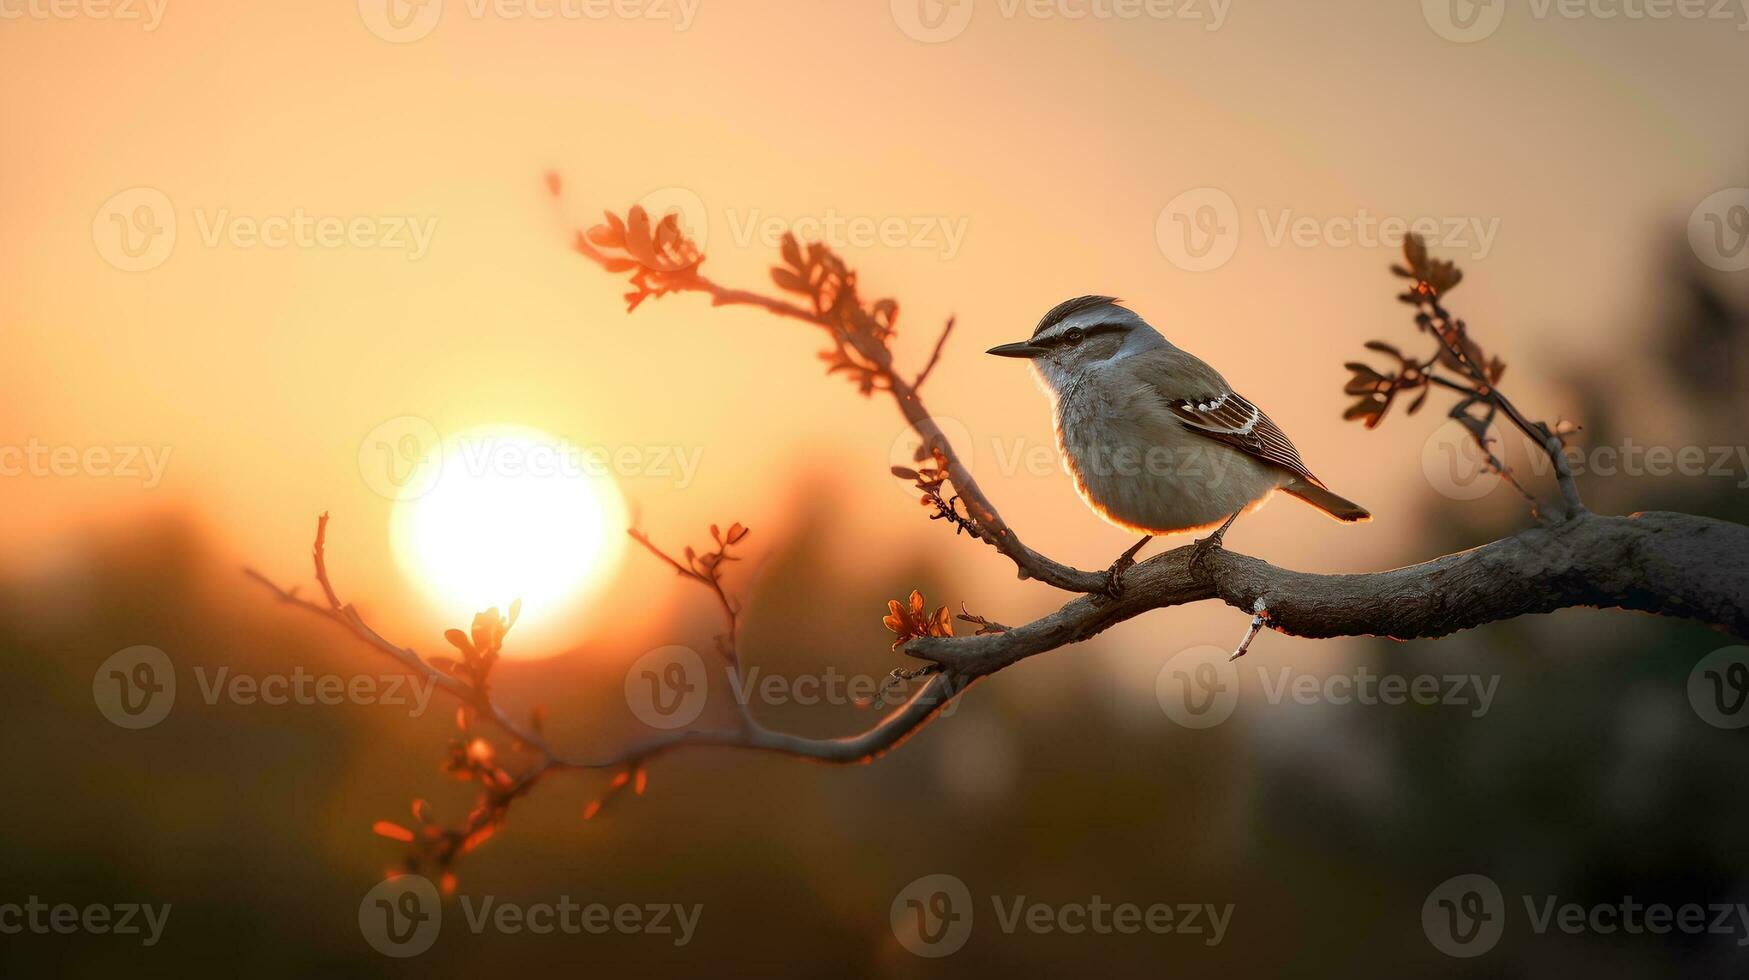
{"x": 1201, "y": 399}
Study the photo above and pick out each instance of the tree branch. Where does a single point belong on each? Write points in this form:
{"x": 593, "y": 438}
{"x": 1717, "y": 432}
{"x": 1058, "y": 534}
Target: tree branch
{"x": 1661, "y": 563}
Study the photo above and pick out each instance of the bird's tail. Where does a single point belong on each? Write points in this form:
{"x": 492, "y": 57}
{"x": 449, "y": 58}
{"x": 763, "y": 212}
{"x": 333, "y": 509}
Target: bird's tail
{"x": 1341, "y": 508}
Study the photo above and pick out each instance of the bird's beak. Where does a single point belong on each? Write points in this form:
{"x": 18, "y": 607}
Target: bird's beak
{"x": 1021, "y": 349}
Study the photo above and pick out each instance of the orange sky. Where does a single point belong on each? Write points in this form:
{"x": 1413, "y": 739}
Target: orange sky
{"x": 1037, "y": 152}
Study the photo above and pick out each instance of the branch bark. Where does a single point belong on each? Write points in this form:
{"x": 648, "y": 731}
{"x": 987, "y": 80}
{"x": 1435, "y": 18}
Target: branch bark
{"x": 1655, "y": 562}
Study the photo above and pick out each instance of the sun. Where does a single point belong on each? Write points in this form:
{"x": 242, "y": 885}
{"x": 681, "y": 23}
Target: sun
{"x": 507, "y": 512}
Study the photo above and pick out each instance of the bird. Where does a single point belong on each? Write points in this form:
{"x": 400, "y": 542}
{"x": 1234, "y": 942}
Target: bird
{"x": 1156, "y": 440}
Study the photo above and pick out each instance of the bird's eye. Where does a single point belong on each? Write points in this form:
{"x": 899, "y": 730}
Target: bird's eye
{"x": 1074, "y": 336}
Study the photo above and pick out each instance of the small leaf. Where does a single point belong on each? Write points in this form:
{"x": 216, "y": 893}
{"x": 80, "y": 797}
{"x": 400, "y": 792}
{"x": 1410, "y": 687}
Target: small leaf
{"x": 788, "y": 280}
{"x": 393, "y": 831}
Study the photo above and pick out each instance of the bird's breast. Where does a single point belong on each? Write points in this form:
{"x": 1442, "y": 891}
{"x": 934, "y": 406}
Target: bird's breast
{"x": 1140, "y": 468}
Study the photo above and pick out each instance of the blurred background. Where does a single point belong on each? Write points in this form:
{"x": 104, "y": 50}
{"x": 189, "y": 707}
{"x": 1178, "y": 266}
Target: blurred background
{"x": 1239, "y": 173}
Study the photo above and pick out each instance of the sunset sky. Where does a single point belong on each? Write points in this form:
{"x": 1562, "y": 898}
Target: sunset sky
{"x": 1029, "y": 158}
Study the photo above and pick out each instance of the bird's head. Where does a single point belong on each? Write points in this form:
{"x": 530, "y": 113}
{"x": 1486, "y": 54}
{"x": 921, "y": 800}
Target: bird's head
{"x": 1078, "y": 336}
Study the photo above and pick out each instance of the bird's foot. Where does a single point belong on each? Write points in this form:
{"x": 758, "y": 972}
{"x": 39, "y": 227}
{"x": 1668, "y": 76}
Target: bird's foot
{"x": 1114, "y": 574}
{"x": 1203, "y": 546}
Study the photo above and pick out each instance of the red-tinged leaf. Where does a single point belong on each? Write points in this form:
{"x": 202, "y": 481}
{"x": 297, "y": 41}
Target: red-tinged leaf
{"x": 605, "y": 237}
{"x": 792, "y": 254}
{"x": 1362, "y": 409}
{"x": 786, "y": 279}
{"x": 460, "y": 641}
{"x": 905, "y": 473}
{"x": 393, "y": 831}
{"x": 643, "y": 780}
{"x": 668, "y": 229}
{"x": 612, "y": 264}
{"x": 422, "y": 811}
{"x": 638, "y": 241}
{"x": 592, "y": 809}
{"x": 619, "y": 779}
{"x": 1420, "y": 400}
{"x": 448, "y": 884}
